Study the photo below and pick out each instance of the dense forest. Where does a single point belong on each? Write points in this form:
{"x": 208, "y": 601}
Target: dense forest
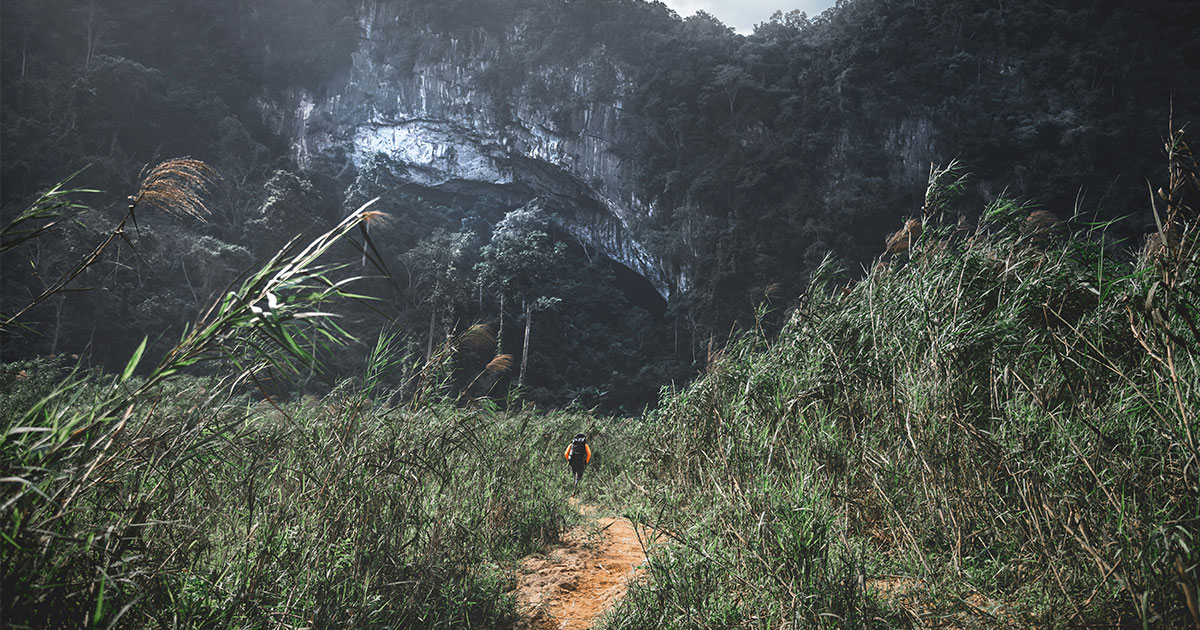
{"x": 757, "y": 154}
{"x": 883, "y": 317}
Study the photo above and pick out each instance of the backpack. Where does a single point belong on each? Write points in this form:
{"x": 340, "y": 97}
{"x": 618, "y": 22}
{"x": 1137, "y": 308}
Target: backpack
{"x": 578, "y": 452}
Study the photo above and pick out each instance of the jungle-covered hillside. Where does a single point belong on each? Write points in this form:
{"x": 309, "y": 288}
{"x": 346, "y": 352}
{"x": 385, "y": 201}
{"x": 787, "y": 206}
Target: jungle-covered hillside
{"x": 883, "y": 317}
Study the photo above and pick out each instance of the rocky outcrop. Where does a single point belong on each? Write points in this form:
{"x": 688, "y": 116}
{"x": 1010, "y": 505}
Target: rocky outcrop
{"x": 452, "y": 111}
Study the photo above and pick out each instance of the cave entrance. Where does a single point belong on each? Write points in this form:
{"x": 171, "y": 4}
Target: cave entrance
{"x": 635, "y": 287}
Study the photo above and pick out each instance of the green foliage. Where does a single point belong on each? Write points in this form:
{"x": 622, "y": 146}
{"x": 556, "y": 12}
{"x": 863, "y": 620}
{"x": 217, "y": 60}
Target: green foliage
{"x": 760, "y": 153}
{"x": 442, "y": 266}
{"x": 519, "y": 259}
{"x": 211, "y": 501}
{"x": 216, "y": 510}
{"x": 23, "y": 384}
{"x": 291, "y": 206}
{"x": 998, "y": 431}
{"x": 49, "y": 209}
{"x": 803, "y": 137}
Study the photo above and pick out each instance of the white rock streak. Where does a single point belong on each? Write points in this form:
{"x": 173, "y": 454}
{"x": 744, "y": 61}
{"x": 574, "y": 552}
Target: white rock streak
{"x": 552, "y": 132}
{"x": 436, "y": 150}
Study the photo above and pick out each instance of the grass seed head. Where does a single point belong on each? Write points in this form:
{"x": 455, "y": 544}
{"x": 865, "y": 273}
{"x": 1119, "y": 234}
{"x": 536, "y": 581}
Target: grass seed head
{"x": 376, "y": 218}
{"x": 479, "y": 337}
{"x": 772, "y": 291}
{"x": 176, "y": 187}
{"x": 1040, "y": 225}
{"x": 500, "y": 365}
{"x": 902, "y": 240}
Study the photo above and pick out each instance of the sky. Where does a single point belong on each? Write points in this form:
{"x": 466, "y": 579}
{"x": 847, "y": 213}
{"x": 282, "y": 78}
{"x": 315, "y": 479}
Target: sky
{"x": 742, "y": 15}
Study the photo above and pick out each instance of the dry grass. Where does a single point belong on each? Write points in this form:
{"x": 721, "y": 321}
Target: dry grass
{"x": 479, "y": 337}
{"x": 1040, "y": 225}
{"x": 902, "y": 240}
{"x": 502, "y": 364}
{"x": 176, "y": 187}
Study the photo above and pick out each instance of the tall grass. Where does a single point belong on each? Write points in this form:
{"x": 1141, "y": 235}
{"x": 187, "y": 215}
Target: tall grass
{"x": 197, "y": 492}
{"x": 995, "y": 429}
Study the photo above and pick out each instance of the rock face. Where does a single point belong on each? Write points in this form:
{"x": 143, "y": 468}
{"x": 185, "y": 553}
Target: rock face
{"x": 453, "y": 113}
{"x": 474, "y": 115}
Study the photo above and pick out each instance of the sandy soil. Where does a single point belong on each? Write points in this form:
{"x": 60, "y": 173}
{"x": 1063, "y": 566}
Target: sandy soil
{"x": 570, "y": 585}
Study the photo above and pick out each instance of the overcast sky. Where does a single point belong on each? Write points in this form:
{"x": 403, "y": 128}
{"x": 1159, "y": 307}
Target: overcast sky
{"x": 742, "y": 15}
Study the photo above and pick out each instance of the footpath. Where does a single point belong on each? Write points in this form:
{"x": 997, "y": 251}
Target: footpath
{"x": 571, "y": 585}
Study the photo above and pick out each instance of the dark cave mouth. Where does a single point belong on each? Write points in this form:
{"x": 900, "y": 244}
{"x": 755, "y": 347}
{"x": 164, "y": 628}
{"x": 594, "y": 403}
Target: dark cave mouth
{"x": 638, "y": 291}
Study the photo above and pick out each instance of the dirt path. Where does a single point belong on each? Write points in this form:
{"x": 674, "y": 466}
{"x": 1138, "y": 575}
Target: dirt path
{"x": 573, "y": 584}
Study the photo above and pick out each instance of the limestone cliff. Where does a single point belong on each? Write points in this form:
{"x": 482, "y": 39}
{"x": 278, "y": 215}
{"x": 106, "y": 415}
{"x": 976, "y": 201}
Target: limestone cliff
{"x": 444, "y": 109}
{"x": 473, "y": 113}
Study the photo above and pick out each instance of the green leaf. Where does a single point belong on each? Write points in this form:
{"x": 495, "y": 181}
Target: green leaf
{"x": 294, "y": 347}
{"x": 134, "y": 360}
{"x": 27, "y": 484}
{"x": 100, "y": 601}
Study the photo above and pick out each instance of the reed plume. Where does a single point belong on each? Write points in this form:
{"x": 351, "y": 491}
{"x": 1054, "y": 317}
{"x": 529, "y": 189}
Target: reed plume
{"x": 376, "y": 217}
{"x": 500, "y": 365}
{"x": 478, "y": 337}
{"x": 772, "y": 291}
{"x": 902, "y": 240}
{"x": 1040, "y": 225}
{"x": 175, "y": 187}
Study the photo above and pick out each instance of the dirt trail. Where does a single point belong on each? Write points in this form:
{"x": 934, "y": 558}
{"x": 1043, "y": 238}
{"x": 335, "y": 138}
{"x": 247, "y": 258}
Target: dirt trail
{"x": 575, "y": 582}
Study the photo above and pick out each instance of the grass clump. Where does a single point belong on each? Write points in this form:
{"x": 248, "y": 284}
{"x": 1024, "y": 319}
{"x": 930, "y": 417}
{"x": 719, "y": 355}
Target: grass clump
{"x": 996, "y": 428}
{"x": 336, "y": 511}
{"x": 172, "y": 496}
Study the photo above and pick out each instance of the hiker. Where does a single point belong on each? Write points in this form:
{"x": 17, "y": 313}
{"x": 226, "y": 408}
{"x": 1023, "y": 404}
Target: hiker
{"x": 578, "y": 454}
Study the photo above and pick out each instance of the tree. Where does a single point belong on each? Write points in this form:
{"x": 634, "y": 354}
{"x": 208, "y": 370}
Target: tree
{"x": 730, "y": 80}
{"x": 290, "y": 207}
{"x": 240, "y": 159}
{"x": 96, "y": 24}
{"x": 518, "y": 262}
{"x": 440, "y": 267}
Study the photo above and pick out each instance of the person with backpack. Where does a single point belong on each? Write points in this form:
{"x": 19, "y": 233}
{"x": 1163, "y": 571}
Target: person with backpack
{"x": 578, "y": 454}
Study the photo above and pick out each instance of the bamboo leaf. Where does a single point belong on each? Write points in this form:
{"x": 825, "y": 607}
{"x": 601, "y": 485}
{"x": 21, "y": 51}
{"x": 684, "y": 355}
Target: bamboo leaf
{"x": 134, "y": 360}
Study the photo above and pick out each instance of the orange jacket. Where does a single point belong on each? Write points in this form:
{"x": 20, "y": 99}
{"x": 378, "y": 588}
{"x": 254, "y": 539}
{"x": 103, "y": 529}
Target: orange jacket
{"x": 587, "y": 449}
